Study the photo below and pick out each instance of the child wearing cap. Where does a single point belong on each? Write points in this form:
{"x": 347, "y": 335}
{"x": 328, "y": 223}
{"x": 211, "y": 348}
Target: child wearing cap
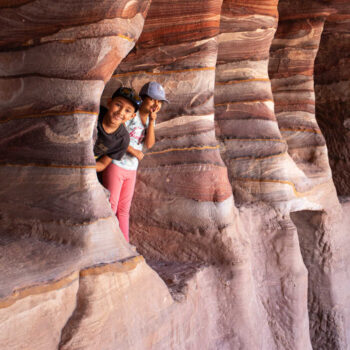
{"x": 120, "y": 176}
{"x": 112, "y": 139}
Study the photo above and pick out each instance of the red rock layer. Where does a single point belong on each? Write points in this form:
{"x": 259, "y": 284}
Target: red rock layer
{"x": 291, "y": 68}
{"x": 183, "y": 208}
{"x": 54, "y": 60}
{"x": 27, "y": 24}
{"x": 181, "y": 22}
{"x": 54, "y": 216}
{"x": 257, "y": 161}
{"x": 245, "y": 121}
{"x": 253, "y": 148}
{"x": 185, "y": 165}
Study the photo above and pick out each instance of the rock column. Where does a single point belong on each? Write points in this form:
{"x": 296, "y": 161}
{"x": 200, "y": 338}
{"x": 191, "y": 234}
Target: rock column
{"x": 55, "y": 219}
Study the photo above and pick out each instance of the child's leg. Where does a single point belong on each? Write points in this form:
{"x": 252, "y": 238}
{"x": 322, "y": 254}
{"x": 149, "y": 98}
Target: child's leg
{"x": 125, "y": 199}
{"x": 113, "y": 181}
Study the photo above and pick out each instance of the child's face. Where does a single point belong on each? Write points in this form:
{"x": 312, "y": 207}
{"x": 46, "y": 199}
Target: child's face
{"x": 120, "y": 110}
{"x": 151, "y": 105}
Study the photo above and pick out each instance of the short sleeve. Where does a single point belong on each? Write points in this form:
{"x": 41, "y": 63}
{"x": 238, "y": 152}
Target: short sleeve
{"x": 119, "y": 151}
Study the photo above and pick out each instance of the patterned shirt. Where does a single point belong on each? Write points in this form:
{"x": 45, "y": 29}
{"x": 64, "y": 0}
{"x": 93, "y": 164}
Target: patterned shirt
{"x": 137, "y": 133}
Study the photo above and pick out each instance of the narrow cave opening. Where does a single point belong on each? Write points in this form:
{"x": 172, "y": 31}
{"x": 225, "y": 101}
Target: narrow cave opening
{"x": 118, "y": 183}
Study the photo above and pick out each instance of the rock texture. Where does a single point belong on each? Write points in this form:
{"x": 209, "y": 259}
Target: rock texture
{"x": 53, "y": 70}
{"x": 292, "y": 58}
{"x": 183, "y": 175}
{"x": 234, "y": 207}
{"x": 332, "y": 68}
{"x": 55, "y": 219}
{"x": 293, "y": 54}
{"x": 245, "y": 119}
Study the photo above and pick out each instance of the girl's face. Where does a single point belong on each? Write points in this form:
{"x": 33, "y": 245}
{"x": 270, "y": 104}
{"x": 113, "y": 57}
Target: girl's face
{"x": 150, "y": 105}
{"x": 120, "y": 110}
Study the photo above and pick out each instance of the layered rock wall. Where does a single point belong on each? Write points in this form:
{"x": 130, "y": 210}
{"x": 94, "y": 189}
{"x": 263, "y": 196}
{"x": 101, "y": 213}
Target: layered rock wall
{"x": 245, "y": 118}
{"x": 55, "y": 219}
{"x": 291, "y": 69}
{"x": 332, "y": 88}
{"x": 234, "y": 206}
{"x": 53, "y": 71}
{"x": 183, "y": 176}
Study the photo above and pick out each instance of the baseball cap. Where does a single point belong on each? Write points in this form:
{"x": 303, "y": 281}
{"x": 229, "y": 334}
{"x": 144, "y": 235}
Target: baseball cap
{"x": 154, "y": 90}
{"x": 130, "y": 94}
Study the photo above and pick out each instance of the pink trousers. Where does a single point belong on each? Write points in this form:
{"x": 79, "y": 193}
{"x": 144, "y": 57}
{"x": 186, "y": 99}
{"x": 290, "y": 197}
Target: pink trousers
{"x": 121, "y": 184}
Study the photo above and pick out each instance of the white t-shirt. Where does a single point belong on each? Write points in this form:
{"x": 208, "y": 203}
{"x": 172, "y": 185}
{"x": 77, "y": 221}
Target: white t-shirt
{"x": 137, "y": 132}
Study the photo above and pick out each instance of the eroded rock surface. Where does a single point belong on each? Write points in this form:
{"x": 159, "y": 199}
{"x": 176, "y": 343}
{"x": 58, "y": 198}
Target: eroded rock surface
{"x": 234, "y": 207}
{"x": 332, "y": 94}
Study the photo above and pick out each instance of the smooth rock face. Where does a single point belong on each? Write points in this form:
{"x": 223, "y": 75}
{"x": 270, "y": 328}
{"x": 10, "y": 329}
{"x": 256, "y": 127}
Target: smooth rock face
{"x": 234, "y": 207}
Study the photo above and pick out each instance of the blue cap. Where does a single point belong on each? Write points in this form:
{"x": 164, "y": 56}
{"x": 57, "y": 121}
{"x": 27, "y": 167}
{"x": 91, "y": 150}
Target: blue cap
{"x": 154, "y": 90}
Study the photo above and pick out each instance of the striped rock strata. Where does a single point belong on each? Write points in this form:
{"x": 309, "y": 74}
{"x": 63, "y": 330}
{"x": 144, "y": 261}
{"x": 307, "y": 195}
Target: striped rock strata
{"x": 259, "y": 167}
{"x": 291, "y": 69}
{"x": 54, "y": 215}
{"x": 183, "y": 207}
{"x": 48, "y": 114}
{"x": 292, "y": 57}
{"x": 245, "y": 121}
{"x": 257, "y": 268}
{"x": 174, "y": 176}
{"x": 254, "y": 145}
{"x": 189, "y": 214}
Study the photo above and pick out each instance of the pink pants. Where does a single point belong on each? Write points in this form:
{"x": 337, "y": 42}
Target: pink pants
{"x": 121, "y": 184}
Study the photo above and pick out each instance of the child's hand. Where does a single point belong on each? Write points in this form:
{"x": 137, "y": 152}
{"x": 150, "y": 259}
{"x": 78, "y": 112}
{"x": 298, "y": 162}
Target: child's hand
{"x": 139, "y": 154}
{"x": 155, "y": 110}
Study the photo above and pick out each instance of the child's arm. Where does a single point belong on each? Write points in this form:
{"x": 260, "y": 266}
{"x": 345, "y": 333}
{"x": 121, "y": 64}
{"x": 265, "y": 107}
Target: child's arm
{"x": 103, "y": 163}
{"x": 150, "y": 138}
{"x": 135, "y": 152}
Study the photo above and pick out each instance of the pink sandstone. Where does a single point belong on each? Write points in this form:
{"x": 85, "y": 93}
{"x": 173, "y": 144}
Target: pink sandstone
{"x": 245, "y": 242}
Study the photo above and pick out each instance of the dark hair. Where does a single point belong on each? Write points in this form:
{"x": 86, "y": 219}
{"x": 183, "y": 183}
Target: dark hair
{"x": 130, "y": 94}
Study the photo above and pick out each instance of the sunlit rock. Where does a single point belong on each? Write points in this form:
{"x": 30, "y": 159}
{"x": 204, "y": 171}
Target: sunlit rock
{"x": 244, "y": 241}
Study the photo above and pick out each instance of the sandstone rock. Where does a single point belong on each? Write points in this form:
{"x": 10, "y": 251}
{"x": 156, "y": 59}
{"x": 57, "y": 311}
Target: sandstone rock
{"x": 235, "y": 206}
{"x": 54, "y": 60}
{"x": 332, "y": 88}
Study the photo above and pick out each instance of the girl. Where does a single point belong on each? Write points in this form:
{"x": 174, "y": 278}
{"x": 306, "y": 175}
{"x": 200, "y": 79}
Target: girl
{"x": 120, "y": 176}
